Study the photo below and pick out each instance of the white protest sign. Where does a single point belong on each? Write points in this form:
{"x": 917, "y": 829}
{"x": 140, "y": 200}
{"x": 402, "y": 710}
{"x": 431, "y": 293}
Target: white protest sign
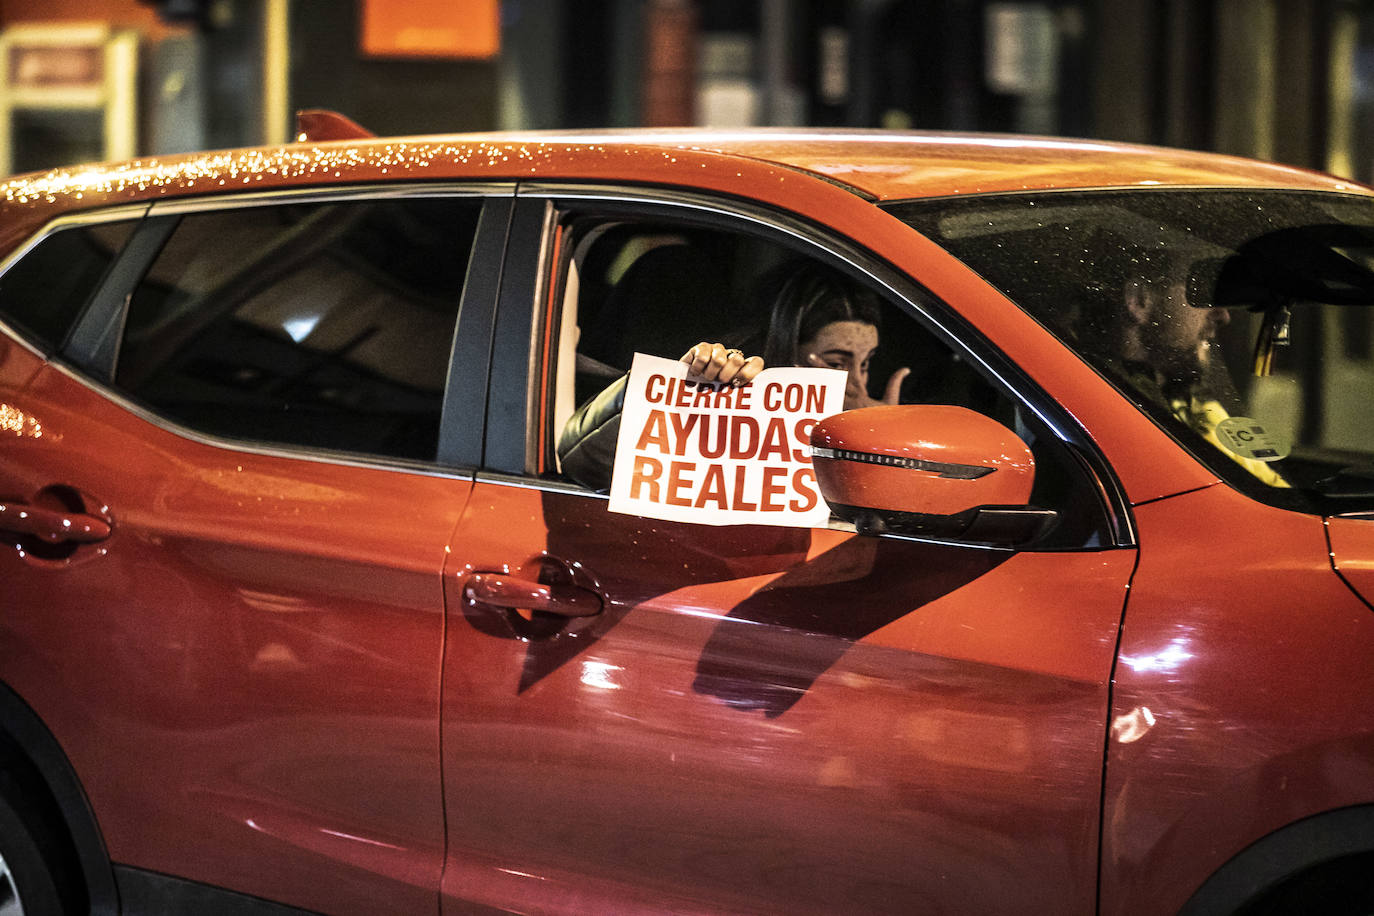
{"x": 696, "y": 451}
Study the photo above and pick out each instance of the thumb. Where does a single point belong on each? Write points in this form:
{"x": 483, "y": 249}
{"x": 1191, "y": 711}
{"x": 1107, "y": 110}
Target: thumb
{"x": 892, "y": 394}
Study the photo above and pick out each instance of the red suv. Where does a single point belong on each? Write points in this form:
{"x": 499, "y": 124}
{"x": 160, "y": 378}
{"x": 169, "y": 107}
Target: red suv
{"x": 305, "y": 610}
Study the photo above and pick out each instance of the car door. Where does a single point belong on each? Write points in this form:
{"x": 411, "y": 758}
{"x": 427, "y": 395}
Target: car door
{"x": 751, "y": 718}
{"x": 242, "y": 656}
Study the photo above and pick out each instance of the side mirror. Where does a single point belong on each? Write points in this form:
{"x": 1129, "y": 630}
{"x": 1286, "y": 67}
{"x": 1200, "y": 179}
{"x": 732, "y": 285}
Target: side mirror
{"x": 931, "y": 471}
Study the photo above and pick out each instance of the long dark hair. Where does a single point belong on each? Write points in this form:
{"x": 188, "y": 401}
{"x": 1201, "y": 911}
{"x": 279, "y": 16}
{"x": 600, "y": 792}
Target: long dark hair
{"x": 810, "y": 297}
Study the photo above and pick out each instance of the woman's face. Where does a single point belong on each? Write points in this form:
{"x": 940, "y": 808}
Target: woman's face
{"x": 846, "y": 345}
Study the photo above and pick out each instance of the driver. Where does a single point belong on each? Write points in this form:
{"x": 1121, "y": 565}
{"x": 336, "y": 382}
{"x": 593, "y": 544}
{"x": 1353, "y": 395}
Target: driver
{"x": 1169, "y": 350}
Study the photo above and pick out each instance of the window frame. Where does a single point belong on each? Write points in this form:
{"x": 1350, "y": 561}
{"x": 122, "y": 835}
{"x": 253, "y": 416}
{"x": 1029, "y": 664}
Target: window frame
{"x": 91, "y": 346}
{"x": 536, "y": 270}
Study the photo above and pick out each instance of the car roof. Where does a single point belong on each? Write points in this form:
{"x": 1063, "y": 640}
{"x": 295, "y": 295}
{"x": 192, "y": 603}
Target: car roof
{"x": 877, "y": 165}
{"x": 891, "y": 165}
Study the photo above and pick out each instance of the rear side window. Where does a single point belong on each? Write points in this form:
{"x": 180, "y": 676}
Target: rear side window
{"x": 317, "y": 325}
{"x": 44, "y": 292}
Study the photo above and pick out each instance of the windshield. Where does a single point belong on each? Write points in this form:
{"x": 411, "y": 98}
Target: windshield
{"x": 1241, "y": 320}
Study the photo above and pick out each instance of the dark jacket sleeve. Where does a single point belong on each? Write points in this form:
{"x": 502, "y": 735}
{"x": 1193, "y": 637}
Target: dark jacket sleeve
{"x": 586, "y": 447}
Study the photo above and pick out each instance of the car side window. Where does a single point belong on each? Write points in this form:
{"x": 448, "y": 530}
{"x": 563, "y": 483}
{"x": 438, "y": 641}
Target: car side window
{"x": 322, "y": 325}
{"x": 43, "y": 293}
{"x": 659, "y": 288}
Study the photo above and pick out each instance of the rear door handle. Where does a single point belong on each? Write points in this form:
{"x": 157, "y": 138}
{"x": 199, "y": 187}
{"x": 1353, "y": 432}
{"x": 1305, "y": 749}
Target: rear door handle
{"x": 500, "y": 590}
{"x": 52, "y": 525}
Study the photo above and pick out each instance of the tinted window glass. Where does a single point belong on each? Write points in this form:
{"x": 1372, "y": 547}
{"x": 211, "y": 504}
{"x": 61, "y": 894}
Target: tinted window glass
{"x": 43, "y": 294}
{"x": 319, "y": 325}
{"x": 1239, "y": 319}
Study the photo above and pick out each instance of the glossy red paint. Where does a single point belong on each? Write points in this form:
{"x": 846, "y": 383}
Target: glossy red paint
{"x": 17, "y": 366}
{"x": 1230, "y": 646}
{"x": 953, "y": 460}
{"x": 896, "y": 166}
{"x": 316, "y": 125}
{"x": 818, "y": 762}
{"x": 1352, "y": 552}
{"x": 248, "y": 673}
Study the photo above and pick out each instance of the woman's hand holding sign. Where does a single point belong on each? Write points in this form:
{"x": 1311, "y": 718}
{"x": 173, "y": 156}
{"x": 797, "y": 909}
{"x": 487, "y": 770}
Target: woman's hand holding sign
{"x": 715, "y": 362}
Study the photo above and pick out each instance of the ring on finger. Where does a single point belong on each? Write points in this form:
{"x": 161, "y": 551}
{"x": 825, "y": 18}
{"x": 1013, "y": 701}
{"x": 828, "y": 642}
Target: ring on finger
{"x": 734, "y": 353}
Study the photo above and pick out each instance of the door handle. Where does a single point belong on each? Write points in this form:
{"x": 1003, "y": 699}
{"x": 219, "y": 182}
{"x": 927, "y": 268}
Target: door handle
{"x": 514, "y": 593}
{"x": 52, "y": 525}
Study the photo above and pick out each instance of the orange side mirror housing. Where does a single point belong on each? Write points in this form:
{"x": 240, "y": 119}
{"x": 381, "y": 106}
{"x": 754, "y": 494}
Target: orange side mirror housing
{"x": 935, "y": 471}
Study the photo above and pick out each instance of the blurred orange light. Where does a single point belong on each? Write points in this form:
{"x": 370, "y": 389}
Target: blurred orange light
{"x": 431, "y": 28}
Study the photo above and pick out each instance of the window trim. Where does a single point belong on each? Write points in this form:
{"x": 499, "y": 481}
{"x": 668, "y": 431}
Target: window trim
{"x": 521, "y": 318}
{"x": 242, "y": 446}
